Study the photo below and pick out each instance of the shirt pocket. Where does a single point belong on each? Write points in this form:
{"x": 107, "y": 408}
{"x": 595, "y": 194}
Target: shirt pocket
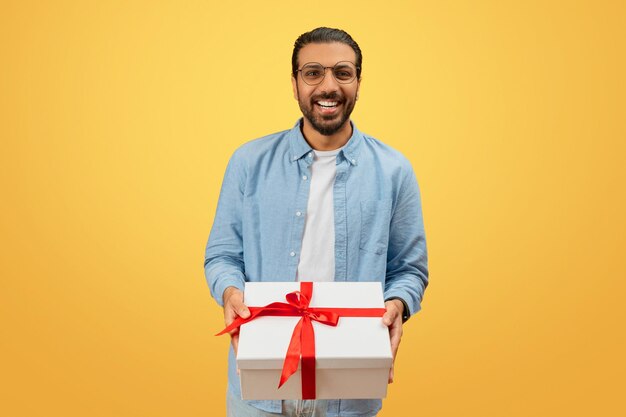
{"x": 375, "y": 219}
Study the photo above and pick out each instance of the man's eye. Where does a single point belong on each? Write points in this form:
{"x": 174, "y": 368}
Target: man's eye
{"x": 312, "y": 73}
{"x": 344, "y": 75}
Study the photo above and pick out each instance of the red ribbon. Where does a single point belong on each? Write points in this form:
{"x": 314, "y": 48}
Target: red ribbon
{"x": 302, "y": 344}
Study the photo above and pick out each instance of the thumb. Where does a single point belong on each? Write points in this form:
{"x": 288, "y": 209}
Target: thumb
{"x": 242, "y": 311}
{"x": 389, "y": 317}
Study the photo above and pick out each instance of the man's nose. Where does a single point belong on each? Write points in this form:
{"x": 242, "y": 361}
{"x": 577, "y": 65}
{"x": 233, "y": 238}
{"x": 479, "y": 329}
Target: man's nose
{"x": 329, "y": 83}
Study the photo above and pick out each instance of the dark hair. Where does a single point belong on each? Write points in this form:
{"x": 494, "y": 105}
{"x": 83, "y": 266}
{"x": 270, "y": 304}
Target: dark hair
{"x": 325, "y": 35}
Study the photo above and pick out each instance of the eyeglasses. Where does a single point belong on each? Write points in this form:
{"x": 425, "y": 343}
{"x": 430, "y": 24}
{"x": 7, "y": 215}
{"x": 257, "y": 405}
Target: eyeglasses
{"x": 313, "y": 73}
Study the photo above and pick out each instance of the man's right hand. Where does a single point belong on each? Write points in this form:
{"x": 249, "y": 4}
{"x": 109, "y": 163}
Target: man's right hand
{"x": 233, "y": 308}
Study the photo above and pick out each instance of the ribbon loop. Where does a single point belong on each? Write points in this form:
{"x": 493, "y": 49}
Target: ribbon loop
{"x": 298, "y": 299}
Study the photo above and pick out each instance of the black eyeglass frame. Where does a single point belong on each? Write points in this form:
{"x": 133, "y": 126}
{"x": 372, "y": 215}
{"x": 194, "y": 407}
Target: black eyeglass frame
{"x": 356, "y": 74}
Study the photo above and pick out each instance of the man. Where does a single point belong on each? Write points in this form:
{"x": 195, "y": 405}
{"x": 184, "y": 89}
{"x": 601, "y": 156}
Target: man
{"x": 319, "y": 202}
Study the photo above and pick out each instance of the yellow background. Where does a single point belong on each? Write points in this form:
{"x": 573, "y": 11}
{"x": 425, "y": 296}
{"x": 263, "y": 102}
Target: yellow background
{"x": 117, "y": 119}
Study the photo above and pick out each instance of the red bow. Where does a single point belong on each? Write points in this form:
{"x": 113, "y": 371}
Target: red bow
{"x": 302, "y": 342}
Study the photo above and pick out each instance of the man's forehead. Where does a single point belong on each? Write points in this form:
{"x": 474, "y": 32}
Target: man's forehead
{"x": 327, "y": 54}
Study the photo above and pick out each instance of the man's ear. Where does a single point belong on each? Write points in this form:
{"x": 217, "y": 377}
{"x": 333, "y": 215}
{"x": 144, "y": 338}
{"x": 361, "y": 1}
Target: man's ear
{"x": 358, "y": 88}
{"x": 294, "y": 85}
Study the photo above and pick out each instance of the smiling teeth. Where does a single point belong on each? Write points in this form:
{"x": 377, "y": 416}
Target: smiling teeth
{"x": 327, "y": 103}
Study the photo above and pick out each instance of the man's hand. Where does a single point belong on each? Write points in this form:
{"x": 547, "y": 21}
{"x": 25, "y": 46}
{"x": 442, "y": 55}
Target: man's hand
{"x": 233, "y": 308}
{"x": 393, "y": 319}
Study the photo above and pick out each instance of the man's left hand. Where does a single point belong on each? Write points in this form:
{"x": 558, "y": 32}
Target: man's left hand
{"x": 393, "y": 319}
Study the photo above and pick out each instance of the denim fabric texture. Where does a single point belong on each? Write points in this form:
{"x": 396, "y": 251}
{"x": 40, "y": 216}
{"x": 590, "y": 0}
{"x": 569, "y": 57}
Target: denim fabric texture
{"x": 379, "y": 232}
{"x": 235, "y": 407}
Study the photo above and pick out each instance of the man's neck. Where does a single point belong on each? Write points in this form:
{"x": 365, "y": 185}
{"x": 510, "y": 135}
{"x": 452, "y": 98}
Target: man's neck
{"x": 321, "y": 142}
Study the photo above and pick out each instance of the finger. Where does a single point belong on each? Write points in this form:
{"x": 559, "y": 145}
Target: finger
{"x": 243, "y": 311}
{"x": 234, "y": 340}
{"x": 394, "y": 349}
{"x": 395, "y": 335}
{"x": 390, "y": 375}
{"x": 390, "y": 316}
{"x": 229, "y": 316}
{"x": 392, "y": 312}
{"x": 240, "y": 309}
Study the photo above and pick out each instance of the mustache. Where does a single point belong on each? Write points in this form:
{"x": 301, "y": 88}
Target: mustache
{"x": 328, "y": 96}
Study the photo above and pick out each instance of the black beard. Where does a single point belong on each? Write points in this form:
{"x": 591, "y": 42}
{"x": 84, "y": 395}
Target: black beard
{"x": 327, "y": 129}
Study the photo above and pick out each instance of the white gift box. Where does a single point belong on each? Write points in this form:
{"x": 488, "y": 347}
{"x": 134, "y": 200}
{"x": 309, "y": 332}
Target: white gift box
{"x": 352, "y": 359}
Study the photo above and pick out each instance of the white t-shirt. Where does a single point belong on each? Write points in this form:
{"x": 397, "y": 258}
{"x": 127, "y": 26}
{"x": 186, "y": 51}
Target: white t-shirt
{"x": 317, "y": 256}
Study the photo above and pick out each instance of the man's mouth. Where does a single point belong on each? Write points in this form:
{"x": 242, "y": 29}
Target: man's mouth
{"x": 327, "y": 106}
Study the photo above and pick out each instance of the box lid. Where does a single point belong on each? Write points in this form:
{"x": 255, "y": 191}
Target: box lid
{"x": 356, "y": 342}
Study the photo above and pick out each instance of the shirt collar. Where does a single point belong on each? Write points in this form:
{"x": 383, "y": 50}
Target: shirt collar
{"x": 300, "y": 148}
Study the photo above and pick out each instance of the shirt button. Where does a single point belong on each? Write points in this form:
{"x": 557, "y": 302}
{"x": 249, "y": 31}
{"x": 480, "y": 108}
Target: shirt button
{"x": 354, "y": 161}
{"x": 310, "y": 155}
{"x": 292, "y": 254}
{"x": 304, "y": 177}
{"x": 298, "y": 213}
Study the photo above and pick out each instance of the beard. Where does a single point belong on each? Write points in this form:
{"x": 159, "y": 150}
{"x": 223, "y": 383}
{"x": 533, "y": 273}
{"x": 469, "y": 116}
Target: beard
{"x": 327, "y": 125}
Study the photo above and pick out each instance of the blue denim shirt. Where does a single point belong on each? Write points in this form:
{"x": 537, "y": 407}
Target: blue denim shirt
{"x": 379, "y": 232}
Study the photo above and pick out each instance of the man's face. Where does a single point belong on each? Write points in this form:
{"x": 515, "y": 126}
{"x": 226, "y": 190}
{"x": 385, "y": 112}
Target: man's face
{"x": 326, "y": 106}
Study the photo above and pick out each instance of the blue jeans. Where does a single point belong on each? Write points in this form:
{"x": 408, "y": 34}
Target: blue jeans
{"x": 236, "y": 407}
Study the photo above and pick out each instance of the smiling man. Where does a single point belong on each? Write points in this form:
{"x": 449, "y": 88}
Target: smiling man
{"x": 326, "y": 102}
{"x": 319, "y": 202}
